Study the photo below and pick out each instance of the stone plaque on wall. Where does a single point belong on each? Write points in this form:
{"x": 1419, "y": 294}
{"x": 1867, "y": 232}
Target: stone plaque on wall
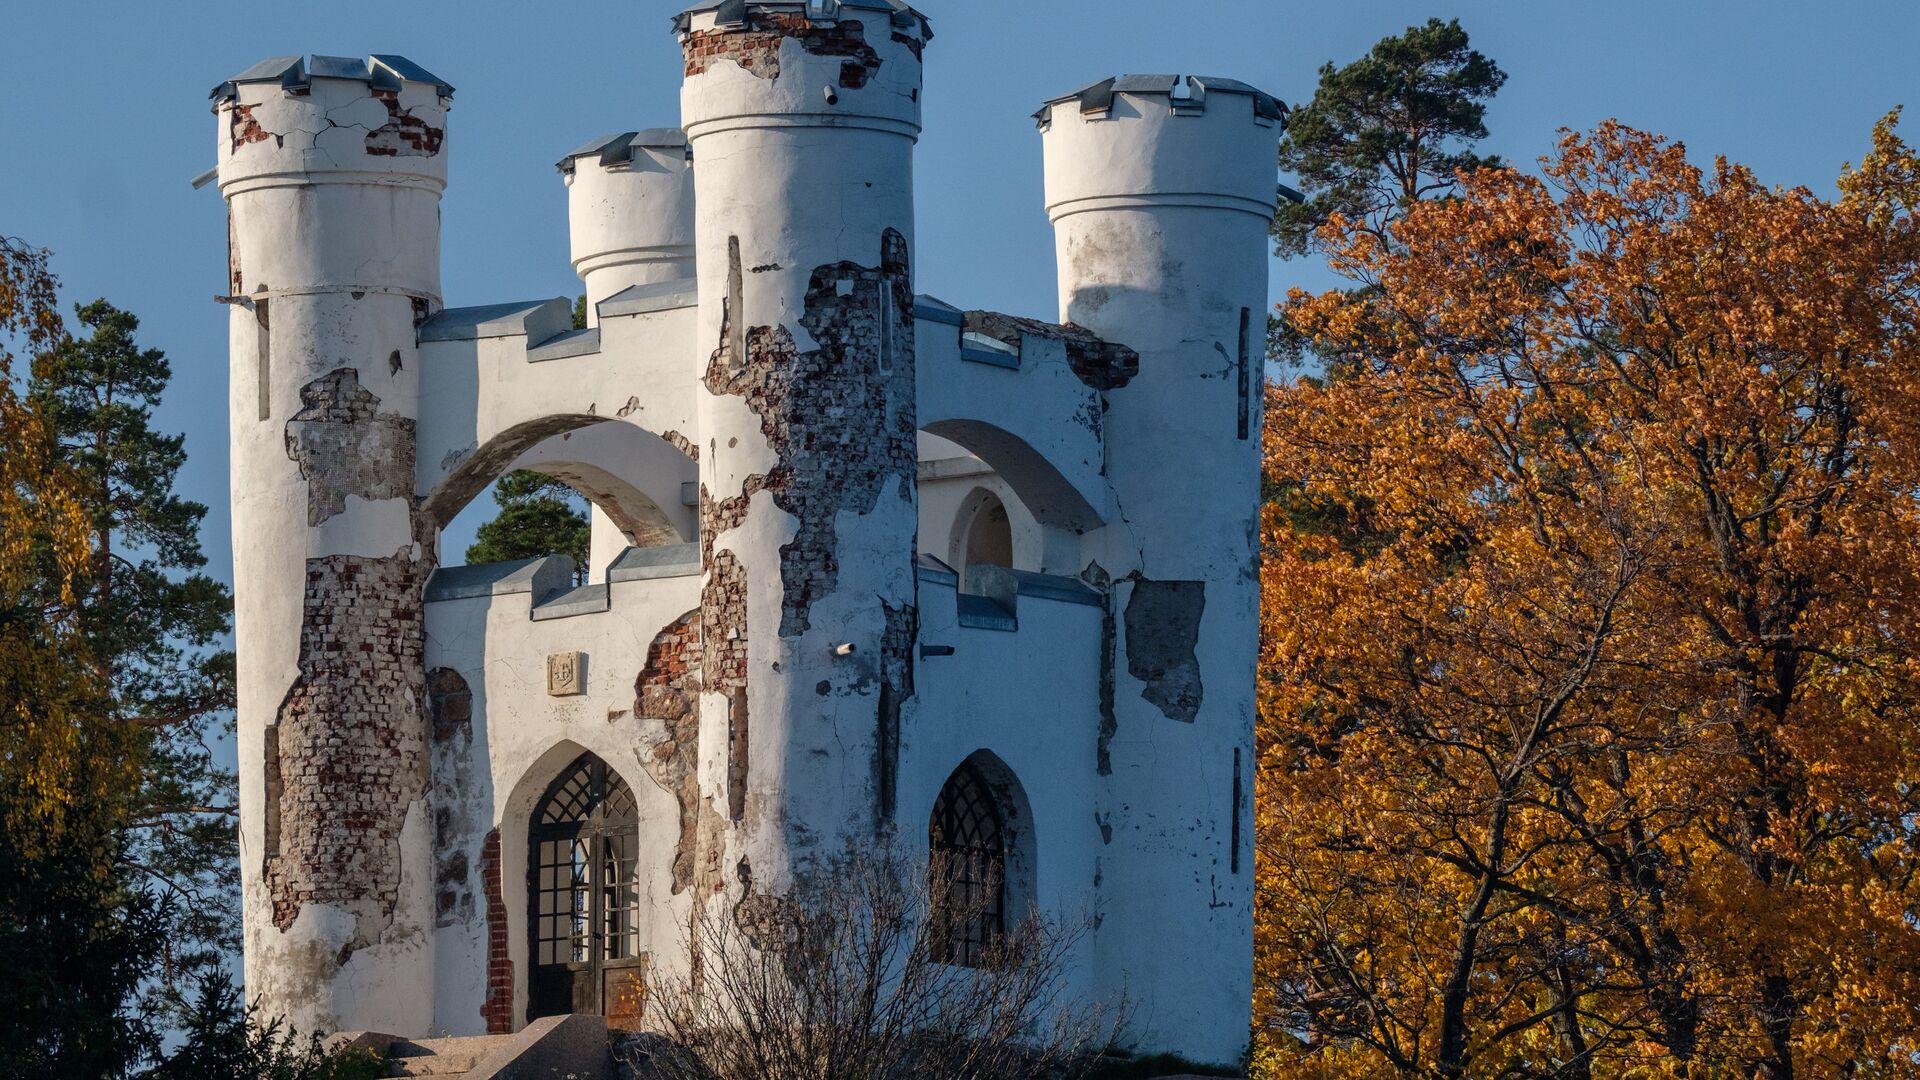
{"x": 567, "y": 674}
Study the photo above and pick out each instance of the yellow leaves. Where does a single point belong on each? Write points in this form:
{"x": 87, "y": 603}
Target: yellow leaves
{"x": 1591, "y": 601}
{"x": 59, "y": 757}
{"x": 1887, "y": 183}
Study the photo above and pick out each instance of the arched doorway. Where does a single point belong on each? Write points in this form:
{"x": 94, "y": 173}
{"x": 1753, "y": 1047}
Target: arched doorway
{"x": 584, "y": 891}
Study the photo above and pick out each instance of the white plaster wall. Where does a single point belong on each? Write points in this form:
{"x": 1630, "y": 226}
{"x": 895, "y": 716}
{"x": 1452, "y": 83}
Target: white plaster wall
{"x": 339, "y": 244}
{"x": 1161, "y": 227}
{"x": 984, "y": 697}
{"x": 522, "y": 739}
{"x": 631, "y": 223}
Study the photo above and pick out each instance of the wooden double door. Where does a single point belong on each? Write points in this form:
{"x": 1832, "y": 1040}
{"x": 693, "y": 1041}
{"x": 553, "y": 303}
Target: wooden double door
{"x": 584, "y": 887}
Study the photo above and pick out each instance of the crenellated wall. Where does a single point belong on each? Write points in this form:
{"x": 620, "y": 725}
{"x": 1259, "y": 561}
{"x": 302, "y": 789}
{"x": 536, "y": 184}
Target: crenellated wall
{"x": 850, "y": 542}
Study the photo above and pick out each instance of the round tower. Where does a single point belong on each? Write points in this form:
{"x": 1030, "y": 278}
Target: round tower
{"x": 332, "y": 169}
{"x": 1161, "y": 190}
{"x": 802, "y": 118}
{"x": 630, "y": 208}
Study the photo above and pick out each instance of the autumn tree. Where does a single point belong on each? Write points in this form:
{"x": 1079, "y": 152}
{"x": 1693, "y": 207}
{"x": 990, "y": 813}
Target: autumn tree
{"x": 1382, "y": 134}
{"x": 1590, "y": 734}
{"x": 76, "y": 934}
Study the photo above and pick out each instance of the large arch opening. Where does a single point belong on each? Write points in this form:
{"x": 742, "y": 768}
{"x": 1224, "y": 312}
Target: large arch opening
{"x": 1040, "y": 486}
{"x": 630, "y": 484}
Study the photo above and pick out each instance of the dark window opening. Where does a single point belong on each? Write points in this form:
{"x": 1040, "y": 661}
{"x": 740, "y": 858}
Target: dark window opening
{"x": 968, "y": 841}
{"x": 585, "y": 892}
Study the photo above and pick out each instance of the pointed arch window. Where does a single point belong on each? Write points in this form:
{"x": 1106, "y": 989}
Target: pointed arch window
{"x": 581, "y": 866}
{"x": 967, "y": 838}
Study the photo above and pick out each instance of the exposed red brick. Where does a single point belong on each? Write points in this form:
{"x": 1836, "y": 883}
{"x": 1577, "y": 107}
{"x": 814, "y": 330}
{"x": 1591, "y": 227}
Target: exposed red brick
{"x": 404, "y": 134}
{"x": 755, "y": 47}
{"x": 497, "y": 1011}
{"x": 352, "y": 738}
{"x": 244, "y": 128}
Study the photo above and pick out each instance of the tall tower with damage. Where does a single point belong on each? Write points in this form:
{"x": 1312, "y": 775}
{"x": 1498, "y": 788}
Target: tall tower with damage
{"x": 867, "y": 567}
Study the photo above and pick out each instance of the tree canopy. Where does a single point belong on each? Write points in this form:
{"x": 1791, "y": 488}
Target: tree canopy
{"x": 538, "y": 516}
{"x": 1385, "y": 132}
{"x": 1590, "y": 733}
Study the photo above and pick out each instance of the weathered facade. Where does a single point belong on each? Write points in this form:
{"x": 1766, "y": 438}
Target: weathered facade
{"x": 864, "y": 562}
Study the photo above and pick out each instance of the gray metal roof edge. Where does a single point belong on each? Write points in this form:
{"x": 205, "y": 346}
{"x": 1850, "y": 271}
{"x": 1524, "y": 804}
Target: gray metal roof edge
{"x": 931, "y": 570}
{"x": 652, "y": 563}
{"x": 582, "y": 600}
{"x": 985, "y": 613}
{"x": 533, "y": 576}
{"x": 387, "y": 70}
{"x": 900, "y": 10}
{"x": 618, "y": 146}
{"x": 657, "y": 296}
{"x": 1265, "y": 104}
{"x": 1055, "y": 587}
{"x": 511, "y": 319}
{"x": 567, "y": 344}
{"x": 934, "y": 309}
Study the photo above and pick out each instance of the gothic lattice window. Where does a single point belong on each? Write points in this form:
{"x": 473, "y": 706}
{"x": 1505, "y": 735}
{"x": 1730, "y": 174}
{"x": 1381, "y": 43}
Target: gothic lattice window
{"x": 968, "y": 841}
{"x": 583, "y": 873}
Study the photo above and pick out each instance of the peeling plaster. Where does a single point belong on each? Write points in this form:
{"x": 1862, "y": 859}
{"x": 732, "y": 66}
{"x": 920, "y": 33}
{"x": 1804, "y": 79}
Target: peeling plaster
{"x": 756, "y": 47}
{"x": 345, "y": 446}
{"x": 1163, "y": 631}
{"x": 404, "y": 134}
{"x": 1102, "y": 365}
{"x": 840, "y": 417}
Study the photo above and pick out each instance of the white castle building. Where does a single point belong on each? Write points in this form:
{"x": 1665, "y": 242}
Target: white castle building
{"x": 864, "y": 562}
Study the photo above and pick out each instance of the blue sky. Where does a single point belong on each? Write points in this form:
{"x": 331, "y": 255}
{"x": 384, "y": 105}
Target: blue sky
{"x": 103, "y": 117}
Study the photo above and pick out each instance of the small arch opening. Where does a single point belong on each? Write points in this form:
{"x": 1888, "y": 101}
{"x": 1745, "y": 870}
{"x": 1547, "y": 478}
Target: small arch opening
{"x": 983, "y": 535}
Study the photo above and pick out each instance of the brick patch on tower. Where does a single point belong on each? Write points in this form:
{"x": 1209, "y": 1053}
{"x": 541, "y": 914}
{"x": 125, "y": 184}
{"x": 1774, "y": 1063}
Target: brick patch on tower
{"x": 840, "y": 418}
{"x": 668, "y": 690}
{"x": 404, "y": 134}
{"x": 345, "y": 445}
{"x": 756, "y": 46}
{"x": 244, "y": 129}
{"x": 352, "y": 740}
{"x": 497, "y": 1010}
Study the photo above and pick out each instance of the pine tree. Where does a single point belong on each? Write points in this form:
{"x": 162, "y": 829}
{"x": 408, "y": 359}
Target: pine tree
{"x": 155, "y": 625}
{"x": 78, "y": 935}
{"x": 539, "y": 516}
{"x": 1387, "y": 131}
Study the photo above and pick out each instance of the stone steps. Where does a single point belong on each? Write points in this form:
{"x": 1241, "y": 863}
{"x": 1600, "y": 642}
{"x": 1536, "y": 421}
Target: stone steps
{"x": 445, "y": 1059}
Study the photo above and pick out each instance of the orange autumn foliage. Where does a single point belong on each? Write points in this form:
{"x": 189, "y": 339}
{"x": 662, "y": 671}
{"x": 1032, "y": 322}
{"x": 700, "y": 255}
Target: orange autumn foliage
{"x": 1591, "y": 664}
{"x": 58, "y": 761}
